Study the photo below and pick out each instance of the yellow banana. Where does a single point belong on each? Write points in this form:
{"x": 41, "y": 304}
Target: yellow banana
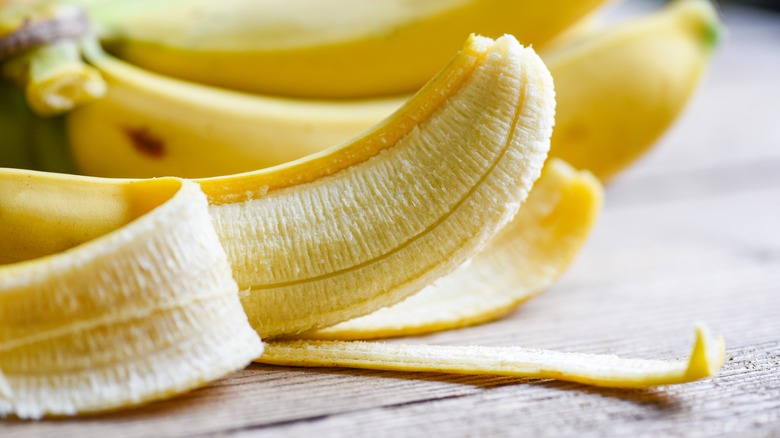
{"x": 150, "y": 125}
{"x": 642, "y": 75}
{"x": 616, "y": 90}
{"x": 324, "y": 48}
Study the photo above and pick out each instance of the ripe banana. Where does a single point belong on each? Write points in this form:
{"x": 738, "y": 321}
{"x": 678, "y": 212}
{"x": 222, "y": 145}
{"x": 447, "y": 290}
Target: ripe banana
{"x": 446, "y": 171}
{"x": 149, "y": 125}
{"x": 325, "y": 48}
{"x": 521, "y": 261}
{"x": 645, "y": 72}
{"x": 117, "y": 293}
{"x": 616, "y": 90}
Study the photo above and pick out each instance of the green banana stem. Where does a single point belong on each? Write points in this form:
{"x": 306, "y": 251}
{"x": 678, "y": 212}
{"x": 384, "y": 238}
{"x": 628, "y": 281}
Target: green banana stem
{"x": 55, "y": 78}
{"x": 15, "y": 124}
{"x": 28, "y": 141}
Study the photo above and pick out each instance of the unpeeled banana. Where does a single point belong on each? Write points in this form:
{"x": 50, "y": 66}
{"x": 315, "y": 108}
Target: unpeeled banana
{"x": 325, "y": 48}
{"x": 617, "y": 93}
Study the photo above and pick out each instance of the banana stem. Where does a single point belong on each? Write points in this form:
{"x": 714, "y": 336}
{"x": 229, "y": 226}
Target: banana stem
{"x": 55, "y": 78}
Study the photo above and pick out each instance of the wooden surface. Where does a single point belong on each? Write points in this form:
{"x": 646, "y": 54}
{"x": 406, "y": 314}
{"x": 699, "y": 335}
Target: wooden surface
{"x": 691, "y": 233}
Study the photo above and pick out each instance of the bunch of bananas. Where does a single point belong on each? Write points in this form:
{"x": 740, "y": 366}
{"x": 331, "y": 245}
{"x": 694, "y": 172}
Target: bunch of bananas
{"x": 373, "y": 184}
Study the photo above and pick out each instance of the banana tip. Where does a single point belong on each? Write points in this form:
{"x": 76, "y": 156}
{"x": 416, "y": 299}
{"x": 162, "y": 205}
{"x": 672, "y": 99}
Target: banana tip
{"x": 708, "y": 355}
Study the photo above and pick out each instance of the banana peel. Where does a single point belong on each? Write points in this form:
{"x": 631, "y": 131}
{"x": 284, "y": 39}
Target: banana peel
{"x": 706, "y": 358}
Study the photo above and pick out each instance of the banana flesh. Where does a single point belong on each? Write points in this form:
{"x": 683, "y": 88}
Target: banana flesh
{"x": 111, "y": 317}
{"x": 380, "y": 218}
{"x": 521, "y": 261}
{"x": 706, "y": 359}
{"x": 313, "y": 49}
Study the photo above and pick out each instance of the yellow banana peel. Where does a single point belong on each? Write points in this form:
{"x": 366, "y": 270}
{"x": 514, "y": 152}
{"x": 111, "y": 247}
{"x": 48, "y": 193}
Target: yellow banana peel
{"x": 616, "y": 88}
{"x": 705, "y": 360}
{"x": 314, "y": 49}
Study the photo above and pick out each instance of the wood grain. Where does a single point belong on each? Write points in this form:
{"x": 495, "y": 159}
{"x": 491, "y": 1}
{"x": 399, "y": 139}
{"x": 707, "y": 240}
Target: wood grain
{"x": 691, "y": 233}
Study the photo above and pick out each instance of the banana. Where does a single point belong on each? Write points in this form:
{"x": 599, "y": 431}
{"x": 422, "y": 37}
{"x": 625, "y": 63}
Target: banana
{"x": 149, "y": 125}
{"x": 645, "y": 72}
{"x": 522, "y": 260}
{"x": 322, "y": 49}
{"x": 616, "y": 91}
{"x": 111, "y": 294}
{"x": 448, "y": 169}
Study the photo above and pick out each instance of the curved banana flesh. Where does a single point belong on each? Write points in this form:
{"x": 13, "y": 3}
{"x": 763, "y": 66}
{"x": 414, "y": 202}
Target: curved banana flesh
{"x": 706, "y": 360}
{"x": 620, "y": 89}
{"x": 353, "y": 229}
{"x": 314, "y": 49}
{"x": 195, "y": 131}
{"x": 94, "y": 318}
{"x": 523, "y": 259}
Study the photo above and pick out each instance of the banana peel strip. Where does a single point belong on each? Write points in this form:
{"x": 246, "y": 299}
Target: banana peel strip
{"x": 141, "y": 313}
{"x": 705, "y": 360}
{"x": 521, "y": 261}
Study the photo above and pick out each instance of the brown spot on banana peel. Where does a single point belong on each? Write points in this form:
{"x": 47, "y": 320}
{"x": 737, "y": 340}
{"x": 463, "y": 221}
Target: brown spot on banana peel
{"x": 145, "y": 142}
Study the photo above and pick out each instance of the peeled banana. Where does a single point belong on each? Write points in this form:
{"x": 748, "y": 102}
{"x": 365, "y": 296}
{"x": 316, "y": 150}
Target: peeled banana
{"x": 324, "y": 48}
{"x": 111, "y": 294}
{"x": 383, "y": 216}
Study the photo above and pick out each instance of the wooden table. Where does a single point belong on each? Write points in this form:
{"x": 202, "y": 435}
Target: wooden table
{"x": 690, "y": 233}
